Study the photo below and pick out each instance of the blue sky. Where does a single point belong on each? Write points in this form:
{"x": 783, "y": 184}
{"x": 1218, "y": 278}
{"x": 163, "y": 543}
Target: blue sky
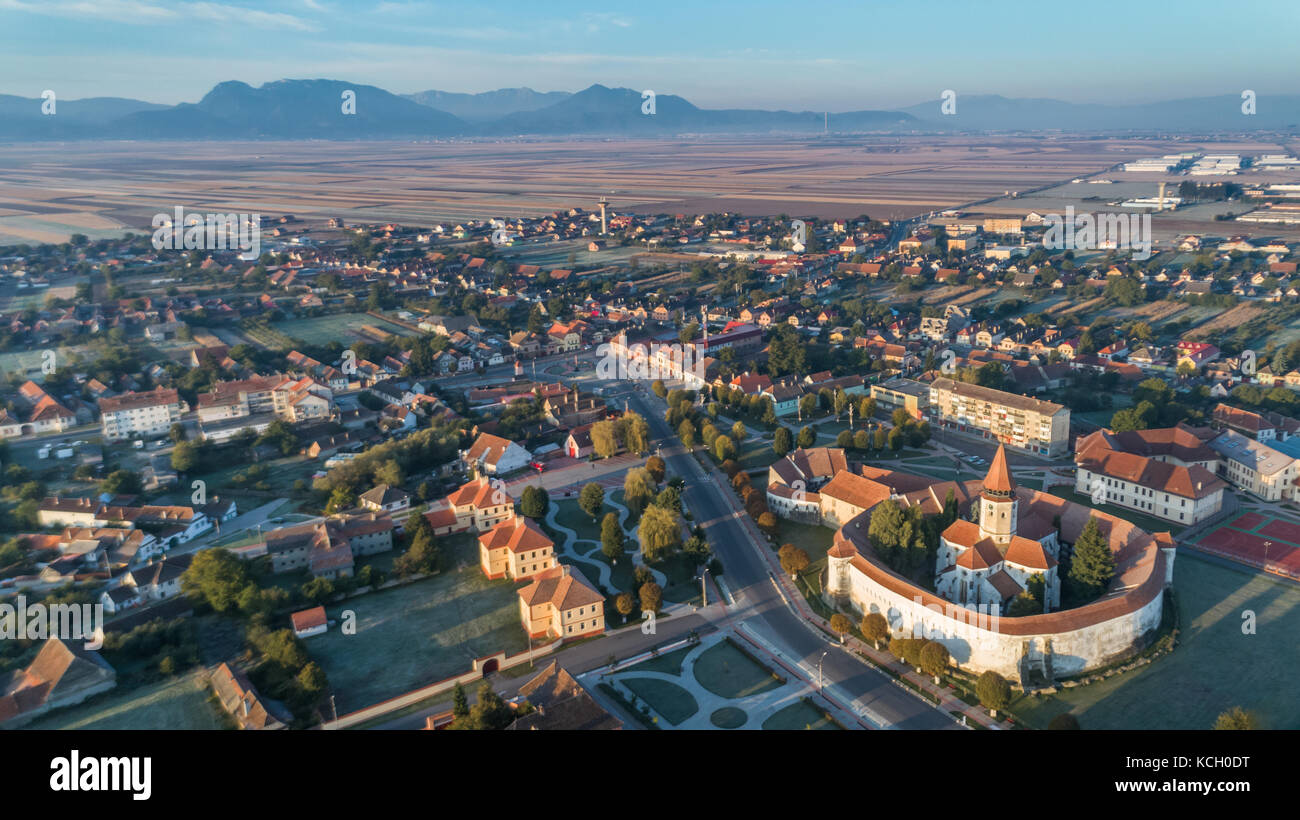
{"x": 794, "y": 55}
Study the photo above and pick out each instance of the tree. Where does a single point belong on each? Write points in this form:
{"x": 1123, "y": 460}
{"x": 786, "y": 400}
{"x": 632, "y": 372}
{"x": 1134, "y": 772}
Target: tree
{"x": 422, "y": 555}
{"x": 624, "y": 604}
{"x": 534, "y": 502}
{"x": 782, "y": 441}
{"x": 123, "y": 482}
{"x": 1236, "y": 719}
{"x": 459, "y": 703}
{"x": 658, "y": 469}
{"x": 807, "y": 437}
{"x": 604, "y": 439}
{"x": 636, "y": 432}
{"x": 993, "y": 691}
{"x": 638, "y": 489}
{"x": 312, "y": 680}
{"x": 686, "y": 432}
{"x": 592, "y": 499}
{"x": 652, "y": 597}
{"x": 841, "y": 625}
{"x": 898, "y": 647}
{"x": 1024, "y": 604}
{"x": 659, "y": 534}
{"x": 1064, "y": 722}
{"x": 767, "y": 522}
{"x": 341, "y": 499}
{"x": 1092, "y": 566}
{"x": 875, "y": 628}
{"x": 216, "y": 577}
{"x": 723, "y": 448}
{"x": 611, "y": 537}
{"x": 738, "y": 432}
{"x": 934, "y": 659}
{"x": 793, "y": 560}
{"x": 659, "y": 389}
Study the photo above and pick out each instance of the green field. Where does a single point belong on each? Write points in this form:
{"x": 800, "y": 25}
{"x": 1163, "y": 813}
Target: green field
{"x": 417, "y": 634}
{"x": 800, "y": 715}
{"x": 671, "y": 701}
{"x": 725, "y": 670}
{"x": 340, "y": 327}
{"x": 1214, "y": 667}
{"x": 177, "y": 703}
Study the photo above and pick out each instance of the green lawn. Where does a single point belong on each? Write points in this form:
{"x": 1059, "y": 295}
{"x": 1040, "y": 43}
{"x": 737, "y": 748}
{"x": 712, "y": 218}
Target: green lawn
{"x": 800, "y": 715}
{"x": 176, "y": 703}
{"x": 669, "y": 663}
{"x": 417, "y": 634}
{"x": 725, "y": 670}
{"x": 728, "y": 717}
{"x": 1146, "y": 522}
{"x": 671, "y": 701}
{"x": 1214, "y": 667}
{"x": 570, "y": 515}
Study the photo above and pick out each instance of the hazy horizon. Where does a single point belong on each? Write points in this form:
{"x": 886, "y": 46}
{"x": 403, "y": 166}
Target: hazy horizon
{"x": 816, "y": 57}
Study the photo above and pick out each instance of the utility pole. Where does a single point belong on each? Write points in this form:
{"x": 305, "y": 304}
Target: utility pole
{"x": 704, "y": 589}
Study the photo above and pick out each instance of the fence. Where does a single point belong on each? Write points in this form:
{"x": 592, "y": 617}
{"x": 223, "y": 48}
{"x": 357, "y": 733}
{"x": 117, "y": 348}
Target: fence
{"x": 478, "y": 669}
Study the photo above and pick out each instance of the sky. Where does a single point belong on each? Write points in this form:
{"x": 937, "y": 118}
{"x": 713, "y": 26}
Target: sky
{"x": 778, "y": 55}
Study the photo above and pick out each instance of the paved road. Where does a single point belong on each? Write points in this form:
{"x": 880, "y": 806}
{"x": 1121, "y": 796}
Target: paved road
{"x": 761, "y": 607}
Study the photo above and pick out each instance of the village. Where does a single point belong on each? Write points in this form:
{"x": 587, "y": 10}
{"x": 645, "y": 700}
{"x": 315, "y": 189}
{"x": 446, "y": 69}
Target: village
{"x": 224, "y": 446}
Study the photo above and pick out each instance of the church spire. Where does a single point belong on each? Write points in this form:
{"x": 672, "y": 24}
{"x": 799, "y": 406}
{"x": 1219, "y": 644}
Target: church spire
{"x": 998, "y": 481}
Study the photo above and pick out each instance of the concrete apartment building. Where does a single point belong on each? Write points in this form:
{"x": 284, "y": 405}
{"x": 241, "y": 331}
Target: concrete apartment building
{"x": 140, "y": 414}
{"x": 912, "y": 396}
{"x": 1037, "y": 426}
{"x": 1256, "y": 467}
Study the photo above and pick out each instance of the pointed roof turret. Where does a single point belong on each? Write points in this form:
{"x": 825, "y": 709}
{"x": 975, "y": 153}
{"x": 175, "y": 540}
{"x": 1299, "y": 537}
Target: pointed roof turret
{"x": 998, "y": 481}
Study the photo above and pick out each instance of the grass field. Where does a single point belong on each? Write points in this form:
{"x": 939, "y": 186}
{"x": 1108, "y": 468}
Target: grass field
{"x": 670, "y": 663}
{"x": 178, "y": 703}
{"x": 1214, "y": 667}
{"x": 800, "y": 715}
{"x": 671, "y": 701}
{"x": 417, "y": 634}
{"x": 341, "y": 327}
{"x": 725, "y": 670}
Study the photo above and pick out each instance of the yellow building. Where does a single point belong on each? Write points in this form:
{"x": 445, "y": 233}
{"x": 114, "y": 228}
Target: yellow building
{"x": 516, "y": 549}
{"x": 560, "y": 603}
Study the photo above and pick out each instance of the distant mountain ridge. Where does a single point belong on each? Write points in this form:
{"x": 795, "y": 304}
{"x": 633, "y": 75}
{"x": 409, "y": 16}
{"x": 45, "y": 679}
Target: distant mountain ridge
{"x": 315, "y": 109}
{"x": 487, "y": 105}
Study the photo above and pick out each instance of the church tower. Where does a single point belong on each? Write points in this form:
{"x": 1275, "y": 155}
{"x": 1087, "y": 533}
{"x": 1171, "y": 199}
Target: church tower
{"x": 998, "y": 505}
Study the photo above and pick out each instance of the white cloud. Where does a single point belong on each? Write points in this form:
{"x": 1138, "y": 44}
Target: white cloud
{"x": 141, "y": 12}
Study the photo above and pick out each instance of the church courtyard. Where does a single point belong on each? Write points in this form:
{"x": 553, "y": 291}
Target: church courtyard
{"x": 1214, "y": 667}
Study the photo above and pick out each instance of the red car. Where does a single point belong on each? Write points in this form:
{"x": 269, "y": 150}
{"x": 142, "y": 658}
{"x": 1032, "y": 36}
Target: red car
{"x": 538, "y": 466}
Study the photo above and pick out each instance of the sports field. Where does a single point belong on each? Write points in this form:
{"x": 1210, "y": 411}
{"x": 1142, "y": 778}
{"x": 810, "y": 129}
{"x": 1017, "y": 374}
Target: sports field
{"x": 341, "y": 327}
{"x": 1257, "y": 539}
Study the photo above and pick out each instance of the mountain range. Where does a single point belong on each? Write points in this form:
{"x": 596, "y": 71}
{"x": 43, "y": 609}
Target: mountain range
{"x": 315, "y": 109}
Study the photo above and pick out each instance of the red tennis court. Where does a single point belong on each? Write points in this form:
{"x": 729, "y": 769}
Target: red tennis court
{"x": 1248, "y": 521}
{"x": 1250, "y": 548}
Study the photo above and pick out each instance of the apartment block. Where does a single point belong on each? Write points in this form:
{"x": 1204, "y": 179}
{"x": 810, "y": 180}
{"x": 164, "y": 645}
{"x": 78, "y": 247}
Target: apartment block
{"x": 1030, "y": 424}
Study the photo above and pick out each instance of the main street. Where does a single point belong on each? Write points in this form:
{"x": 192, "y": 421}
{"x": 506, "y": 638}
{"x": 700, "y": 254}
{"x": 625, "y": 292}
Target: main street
{"x": 761, "y": 608}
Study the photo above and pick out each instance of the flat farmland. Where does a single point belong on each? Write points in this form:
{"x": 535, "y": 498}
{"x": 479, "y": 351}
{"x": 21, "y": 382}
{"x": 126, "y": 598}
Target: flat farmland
{"x": 49, "y": 192}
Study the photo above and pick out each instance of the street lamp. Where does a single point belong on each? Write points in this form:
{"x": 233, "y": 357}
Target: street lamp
{"x": 821, "y": 687}
{"x": 1267, "y": 544}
